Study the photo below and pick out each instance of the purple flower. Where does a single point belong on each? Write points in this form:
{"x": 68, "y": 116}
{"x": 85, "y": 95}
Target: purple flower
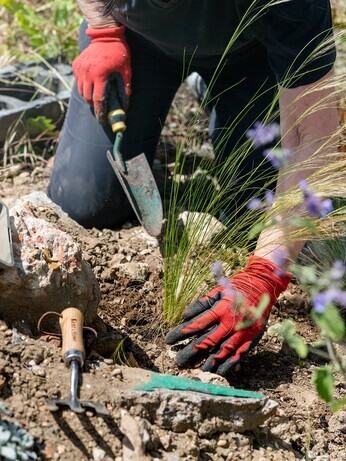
{"x": 263, "y": 134}
{"x": 332, "y": 295}
{"x": 316, "y": 206}
{"x": 269, "y": 198}
{"x": 223, "y": 281}
{"x": 277, "y": 157}
{"x": 217, "y": 269}
{"x": 226, "y": 284}
{"x": 257, "y": 204}
{"x": 337, "y": 271}
{"x": 319, "y": 301}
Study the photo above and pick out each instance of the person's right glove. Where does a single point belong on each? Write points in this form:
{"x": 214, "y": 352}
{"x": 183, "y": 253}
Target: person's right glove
{"x": 215, "y": 319}
{"x": 106, "y": 59}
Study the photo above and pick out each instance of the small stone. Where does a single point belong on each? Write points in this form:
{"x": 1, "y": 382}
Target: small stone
{"x": 108, "y": 361}
{"x": 117, "y": 372}
{"x": 38, "y": 371}
{"x": 222, "y": 443}
{"x": 61, "y": 449}
{"x": 337, "y": 423}
{"x": 2, "y": 382}
{"x": 40, "y": 394}
{"x": 98, "y": 454}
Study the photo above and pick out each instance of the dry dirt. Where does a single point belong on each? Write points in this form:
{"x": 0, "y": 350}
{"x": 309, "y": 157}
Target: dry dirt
{"x": 31, "y": 369}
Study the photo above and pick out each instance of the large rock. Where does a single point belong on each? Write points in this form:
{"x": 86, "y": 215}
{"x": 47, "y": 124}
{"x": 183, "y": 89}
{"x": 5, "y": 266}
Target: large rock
{"x": 50, "y": 273}
{"x": 180, "y": 411}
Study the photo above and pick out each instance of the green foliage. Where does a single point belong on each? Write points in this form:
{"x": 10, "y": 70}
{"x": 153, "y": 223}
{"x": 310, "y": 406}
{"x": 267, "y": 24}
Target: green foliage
{"x": 306, "y": 223}
{"x": 338, "y": 405}
{"x": 330, "y": 322}
{"x": 287, "y": 331}
{"x": 119, "y": 354}
{"x": 41, "y": 125}
{"x": 49, "y": 28}
{"x": 324, "y": 383}
{"x": 255, "y": 313}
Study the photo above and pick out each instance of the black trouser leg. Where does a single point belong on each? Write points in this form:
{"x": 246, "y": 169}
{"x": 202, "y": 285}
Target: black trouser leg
{"x": 241, "y": 95}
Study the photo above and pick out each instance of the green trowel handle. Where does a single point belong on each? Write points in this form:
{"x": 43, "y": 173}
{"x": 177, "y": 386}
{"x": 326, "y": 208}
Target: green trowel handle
{"x": 116, "y": 116}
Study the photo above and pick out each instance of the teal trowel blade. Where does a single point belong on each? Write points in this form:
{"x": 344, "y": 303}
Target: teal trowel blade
{"x": 138, "y": 182}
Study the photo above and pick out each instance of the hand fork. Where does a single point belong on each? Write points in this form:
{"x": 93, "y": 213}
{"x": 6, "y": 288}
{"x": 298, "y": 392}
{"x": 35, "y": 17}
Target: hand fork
{"x": 73, "y": 353}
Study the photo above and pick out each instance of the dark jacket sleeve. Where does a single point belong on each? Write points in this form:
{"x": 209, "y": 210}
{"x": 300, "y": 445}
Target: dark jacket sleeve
{"x": 298, "y": 37}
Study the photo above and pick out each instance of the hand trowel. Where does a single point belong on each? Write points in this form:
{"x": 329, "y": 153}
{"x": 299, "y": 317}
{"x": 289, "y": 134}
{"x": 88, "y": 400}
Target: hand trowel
{"x": 134, "y": 175}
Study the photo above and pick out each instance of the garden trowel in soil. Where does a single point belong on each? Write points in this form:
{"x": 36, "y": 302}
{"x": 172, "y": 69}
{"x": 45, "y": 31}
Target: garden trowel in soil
{"x": 73, "y": 353}
{"x": 134, "y": 175}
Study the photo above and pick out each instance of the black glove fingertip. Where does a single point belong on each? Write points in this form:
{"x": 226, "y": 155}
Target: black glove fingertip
{"x": 199, "y": 306}
{"x": 209, "y": 365}
{"x": 174, "y": 335}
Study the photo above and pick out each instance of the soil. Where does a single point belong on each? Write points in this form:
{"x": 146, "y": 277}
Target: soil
{"x": 31, "y": 368}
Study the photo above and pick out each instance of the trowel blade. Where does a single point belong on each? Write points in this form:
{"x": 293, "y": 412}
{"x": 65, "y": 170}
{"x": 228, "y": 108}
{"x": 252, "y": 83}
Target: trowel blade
{"x": 141, "y": 190}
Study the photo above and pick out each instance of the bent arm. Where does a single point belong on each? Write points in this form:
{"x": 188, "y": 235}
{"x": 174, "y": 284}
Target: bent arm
{"x": 309, "y": 128}
{"x": 96, "y": 14}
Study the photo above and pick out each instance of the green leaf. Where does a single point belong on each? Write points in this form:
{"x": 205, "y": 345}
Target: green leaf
{"x": 306, "y": 274}
{"x": 262, "y": 306}
{"x": 330, "y": 322}
{"x": 287, "y": 330}
{"x": 298, "y": 344}
{"x": 39, "y": 125}
{"x": 256, "y": 313}
{"x": 324, "y": 383}
{"x": 61, "y": 16}
{"x": 306, "y": 223}
{"x": 338, "y": 404}
{"x": 256, "y": 230}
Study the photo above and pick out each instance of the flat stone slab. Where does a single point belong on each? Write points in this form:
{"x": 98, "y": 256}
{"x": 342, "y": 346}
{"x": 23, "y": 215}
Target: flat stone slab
{"x": 170, "y": 409}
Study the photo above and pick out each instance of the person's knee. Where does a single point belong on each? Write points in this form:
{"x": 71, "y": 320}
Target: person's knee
{"x": 87, "y": 207}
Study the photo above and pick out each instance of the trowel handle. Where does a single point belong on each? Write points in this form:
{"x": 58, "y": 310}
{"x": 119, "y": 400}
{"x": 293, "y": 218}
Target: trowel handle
{"x": 116, "y": 115}
{"x": 71, "y": 324}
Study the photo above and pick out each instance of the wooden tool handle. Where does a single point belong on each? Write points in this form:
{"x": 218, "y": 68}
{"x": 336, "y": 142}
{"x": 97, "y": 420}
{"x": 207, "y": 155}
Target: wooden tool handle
{"x": 71, "y": 324}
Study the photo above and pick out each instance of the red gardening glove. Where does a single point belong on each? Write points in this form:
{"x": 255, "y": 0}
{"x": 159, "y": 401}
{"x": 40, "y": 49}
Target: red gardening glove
{"x": 220, "y": 308}
{"x": 105, "y": 60}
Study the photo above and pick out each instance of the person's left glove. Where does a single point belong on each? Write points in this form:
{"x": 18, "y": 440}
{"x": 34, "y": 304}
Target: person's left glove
{"x": 106, "y": 60}
{"x": 216, "y": 317}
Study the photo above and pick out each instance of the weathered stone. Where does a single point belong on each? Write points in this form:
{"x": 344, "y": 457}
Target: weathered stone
{"x": 98, "y": 453}
{"x": 38, "y": 371}
{"x": 337, "y": 423}
{"x": 180, "y": 411}
{"x": 50, "y": 272}
{"x": 135, "y": 439}
{"x": 134, "y": 271}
